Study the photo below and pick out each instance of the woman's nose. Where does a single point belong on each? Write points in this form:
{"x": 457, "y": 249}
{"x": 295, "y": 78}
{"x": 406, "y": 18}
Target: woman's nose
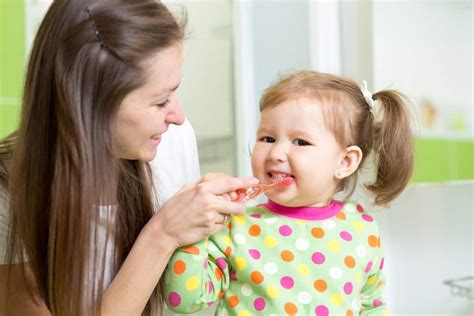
{"x": 176, "y": 114}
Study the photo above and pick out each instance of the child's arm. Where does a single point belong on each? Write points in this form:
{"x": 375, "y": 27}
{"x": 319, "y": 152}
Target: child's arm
{"x": 371, "y": 294}
{"x": 196, "y": 276}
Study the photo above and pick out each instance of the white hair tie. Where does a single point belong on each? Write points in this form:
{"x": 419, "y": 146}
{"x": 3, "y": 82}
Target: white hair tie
{"x": 368, "y": 96}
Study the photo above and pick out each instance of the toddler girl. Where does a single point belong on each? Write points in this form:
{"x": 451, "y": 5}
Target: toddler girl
{"x": 304, "y": 252}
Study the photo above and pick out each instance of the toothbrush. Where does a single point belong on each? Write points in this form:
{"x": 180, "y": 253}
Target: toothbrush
{"x": 245, "y": 195}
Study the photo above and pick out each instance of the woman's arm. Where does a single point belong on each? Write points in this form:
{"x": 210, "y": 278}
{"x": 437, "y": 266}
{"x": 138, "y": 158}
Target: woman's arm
{"x": 186, "y": 218}
{"x": 16, "y": 300}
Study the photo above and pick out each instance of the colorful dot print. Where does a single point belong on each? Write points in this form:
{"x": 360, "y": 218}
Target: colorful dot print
{"x": 266, "y": 264}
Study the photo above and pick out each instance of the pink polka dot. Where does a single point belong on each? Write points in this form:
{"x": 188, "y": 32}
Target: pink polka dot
{"x": 318, "y": 258}
{"x": 221, "y": 263}
{"x": 360, "y": 208}
{"x": 259, "y": 304}
{"x": 348, "y": 288}
{"x": 346, "y": 235}
{"x": 377, "y": 303}
{"x": 254, "y": 253}
{"x": 256, "y": 215}
{"x": 287, "y": 282}
{"x": 210, "y": 304}
{"x": 174, "y": 299}
{"x": 206, "y": 264}
{"x": 285, "y": 230}
{"x": 367, "y": 218}
{"x": 233, "y": 276}
{"x": 321, "y": 310}
{"x": 210, "y": 287}
{"x": 381, "y": 263}
{"x": 368, "y": 267}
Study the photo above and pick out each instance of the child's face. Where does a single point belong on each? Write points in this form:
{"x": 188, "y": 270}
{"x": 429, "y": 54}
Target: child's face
{"x": 292, "y": 140}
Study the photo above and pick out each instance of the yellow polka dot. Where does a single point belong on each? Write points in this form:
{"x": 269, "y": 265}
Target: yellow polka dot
{"x": 240, "y": 263}
{"x": 303, "y": 269}
{"x": 358, "y": 226}
{"x": 358, "y": 277}
{"x": 244, "y": 313}
{"x": 226, "y": 240}
{"x": 300, "y": 222}
{"x": 273, "y": 292}
{"x": 372, "y": 280}
{"x": 192, "y": 283}
{"x": 238, "y": 219}
{"x": 337, "y": 300}
{"x": 270, "y": 242}
{"x": 334, "y": 245}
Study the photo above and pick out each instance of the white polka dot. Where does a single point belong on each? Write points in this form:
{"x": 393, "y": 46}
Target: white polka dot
{"x": 301, "y": 244}
{"x": 197, "y": 258}
{"x": 212, "y": 247}
{"x": 270, "y": 268}
{"x": 329, "y": 224}
{"x": 335, "y": 273}
{"x": 239, "y": 239}
{"x": 271, "y": 220}
{"x": 246, "y": 290}
{"x": 355, "y": 304}
{"x": 361, "y": 251}
{"x": 350, "y": 208}
{"x": 304, "y": 297}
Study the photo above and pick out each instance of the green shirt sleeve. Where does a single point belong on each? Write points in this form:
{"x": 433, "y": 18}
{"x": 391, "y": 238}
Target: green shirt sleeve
{"x": 198, "y": 275}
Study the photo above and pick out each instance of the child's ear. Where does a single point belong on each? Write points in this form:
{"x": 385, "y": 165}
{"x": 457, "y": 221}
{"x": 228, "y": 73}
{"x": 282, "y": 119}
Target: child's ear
{"x": 350, "y": 161}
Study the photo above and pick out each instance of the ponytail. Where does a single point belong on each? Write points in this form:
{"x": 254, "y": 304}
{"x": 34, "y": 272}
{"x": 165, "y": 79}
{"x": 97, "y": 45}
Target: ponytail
{"x": 393, "y": 147}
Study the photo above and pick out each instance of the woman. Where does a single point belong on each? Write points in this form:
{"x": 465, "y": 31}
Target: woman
{"x": 100, "y": 93}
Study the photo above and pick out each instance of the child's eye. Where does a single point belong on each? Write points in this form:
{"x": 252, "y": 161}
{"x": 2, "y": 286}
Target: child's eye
{"x": 301, "y": 142}
{"x": 267, "y": 139}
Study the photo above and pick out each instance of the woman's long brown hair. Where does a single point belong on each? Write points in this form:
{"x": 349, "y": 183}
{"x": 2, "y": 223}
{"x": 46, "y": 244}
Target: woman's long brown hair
{"x": 388, "y": 135}
{"x": 59, "y": 168}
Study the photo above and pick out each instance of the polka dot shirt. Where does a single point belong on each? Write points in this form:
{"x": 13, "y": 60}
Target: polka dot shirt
{"x": 276, "y": 261}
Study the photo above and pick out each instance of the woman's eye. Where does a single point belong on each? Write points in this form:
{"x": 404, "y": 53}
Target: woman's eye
{"x": 301, "y": 142}
{"x": 163, "y": 104}
{"x": 267, "y": 139}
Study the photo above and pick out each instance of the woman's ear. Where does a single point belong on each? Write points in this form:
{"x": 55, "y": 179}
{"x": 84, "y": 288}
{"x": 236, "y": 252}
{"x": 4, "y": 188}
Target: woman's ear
{"x": 349, "y": 163}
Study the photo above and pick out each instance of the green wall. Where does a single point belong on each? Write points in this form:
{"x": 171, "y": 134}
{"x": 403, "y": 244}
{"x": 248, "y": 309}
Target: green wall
{"x": 437, "y": 160}
{"x": 12, "y": 61}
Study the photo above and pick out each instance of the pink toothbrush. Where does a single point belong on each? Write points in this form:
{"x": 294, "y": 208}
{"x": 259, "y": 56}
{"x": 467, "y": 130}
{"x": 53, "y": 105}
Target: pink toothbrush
{"x": 245, "y": 195}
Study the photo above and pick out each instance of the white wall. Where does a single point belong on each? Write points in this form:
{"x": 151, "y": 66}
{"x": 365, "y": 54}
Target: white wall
{"x": 424, "y": 48}
{"x": 428, "y": 238}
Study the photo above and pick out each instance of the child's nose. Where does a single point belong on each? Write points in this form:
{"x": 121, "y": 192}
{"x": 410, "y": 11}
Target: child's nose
{"x": 278, "y": 153}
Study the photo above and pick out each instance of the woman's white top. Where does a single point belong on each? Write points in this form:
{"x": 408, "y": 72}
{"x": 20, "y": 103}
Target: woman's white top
{"x": 176, "y": 164}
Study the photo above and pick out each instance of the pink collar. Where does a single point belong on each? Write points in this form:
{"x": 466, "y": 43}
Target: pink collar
{"x": 308, "y": 213}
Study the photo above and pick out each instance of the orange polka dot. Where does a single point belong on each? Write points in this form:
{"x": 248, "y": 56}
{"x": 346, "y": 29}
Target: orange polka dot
{"x": 349, "y": 313}
{"x": 373, "y": 241}
{"x": 233, "y": 301}
{"x": 256, "y": 277}
{"x": 192, "y": 249}
{"x": 379, "y": 284}
{"x": 317, "y": 232}
{"x": 229, "y": 226}
{"x": 179, "y": 266}
{"x": 290, "y": 308}
{"x": 218, "y": 273}
{"x": 349, "y": 261}
{"x": 228, "y": 252}
{"x": 254, "y": 230}
{"x": 320, "y": 285}
{"x": 287, "y": 255}
{"x": 341, "y": 215}
{"x": 221, "y": 294}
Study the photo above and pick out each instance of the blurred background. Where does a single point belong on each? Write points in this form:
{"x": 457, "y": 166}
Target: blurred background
{"x": 237, "y": 48}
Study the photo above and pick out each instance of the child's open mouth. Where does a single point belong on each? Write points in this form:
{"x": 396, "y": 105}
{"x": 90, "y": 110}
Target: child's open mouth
{"x": 278, "y": 176}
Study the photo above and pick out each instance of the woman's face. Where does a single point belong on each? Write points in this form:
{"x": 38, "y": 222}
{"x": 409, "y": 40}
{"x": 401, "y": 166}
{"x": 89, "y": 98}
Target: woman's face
{"x": 146, "y": 112}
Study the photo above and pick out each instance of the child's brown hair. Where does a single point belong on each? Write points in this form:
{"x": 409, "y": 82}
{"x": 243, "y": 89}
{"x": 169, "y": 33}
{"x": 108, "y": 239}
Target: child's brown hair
{"x": 351, "y": 119}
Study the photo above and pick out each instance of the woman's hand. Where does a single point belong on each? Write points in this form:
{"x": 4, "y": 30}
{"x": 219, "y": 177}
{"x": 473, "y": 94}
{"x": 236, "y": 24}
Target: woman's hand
{"x": 199, "y": 209}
